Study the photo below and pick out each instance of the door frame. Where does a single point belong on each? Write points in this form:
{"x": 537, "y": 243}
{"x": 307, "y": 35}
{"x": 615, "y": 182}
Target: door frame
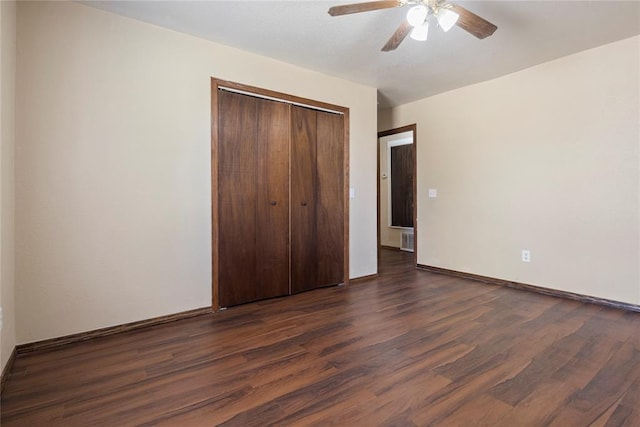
{"x": 414, "y": 129}
{"x": 216, "y": 85}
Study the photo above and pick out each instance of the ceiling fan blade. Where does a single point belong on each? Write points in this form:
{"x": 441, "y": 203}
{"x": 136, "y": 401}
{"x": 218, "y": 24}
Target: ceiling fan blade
{"x": 362, "y": 7}
{"x": 472, "y": 23}
{"x": 401, "y": 33}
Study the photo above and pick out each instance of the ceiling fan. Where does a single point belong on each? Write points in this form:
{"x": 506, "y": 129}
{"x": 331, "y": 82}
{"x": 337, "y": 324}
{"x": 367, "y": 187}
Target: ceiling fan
{"x": 417, "y": 23}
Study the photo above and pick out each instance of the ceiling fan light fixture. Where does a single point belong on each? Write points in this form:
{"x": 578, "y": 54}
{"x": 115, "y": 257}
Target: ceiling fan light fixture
{"x": 420, "y": 32}
{"x": 417, "y": 14}
{"x": 447, "y": 18}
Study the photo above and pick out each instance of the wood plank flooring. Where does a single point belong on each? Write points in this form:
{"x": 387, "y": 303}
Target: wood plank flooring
{"x": 407, "y": 348}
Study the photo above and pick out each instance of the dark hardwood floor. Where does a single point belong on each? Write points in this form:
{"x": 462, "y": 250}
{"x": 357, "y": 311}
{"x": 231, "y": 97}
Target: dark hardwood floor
{"x": 407, "y": 348}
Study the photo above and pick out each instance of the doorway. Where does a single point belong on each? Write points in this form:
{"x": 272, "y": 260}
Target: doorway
{"x": 397, "y": 191}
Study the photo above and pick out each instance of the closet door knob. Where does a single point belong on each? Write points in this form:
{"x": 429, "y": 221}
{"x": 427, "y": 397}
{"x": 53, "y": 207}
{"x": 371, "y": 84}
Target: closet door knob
{"x": 273, "y": 203}
{"x": 303, "y": 204}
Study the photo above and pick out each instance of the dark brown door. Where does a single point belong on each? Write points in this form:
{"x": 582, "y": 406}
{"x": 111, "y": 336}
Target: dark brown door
{"x": 317, "y": 199}
{"x": 330, "y": 198}
{"x": 236, "y": 198}
{"x": 402, "y": 185}
{"x": 272, "y": 236}
{"x": 304, "y": 274}
{"x": 252, "y": 199}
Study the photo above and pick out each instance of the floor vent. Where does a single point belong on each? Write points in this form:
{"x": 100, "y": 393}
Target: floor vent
{"x": 406, "y": 240}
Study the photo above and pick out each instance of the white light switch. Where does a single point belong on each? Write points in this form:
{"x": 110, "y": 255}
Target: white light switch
{"x": 352, "y": 193}
{"x": 433, "y": 193}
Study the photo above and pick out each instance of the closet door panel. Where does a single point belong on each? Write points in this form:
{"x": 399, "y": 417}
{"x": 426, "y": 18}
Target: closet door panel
{"x": 272, "y": 216}
{"x": 280, "y": 199}
{"x": 303, "y": 200}
{"x": 330, "y": 202}
{"x": 237, "y": 198}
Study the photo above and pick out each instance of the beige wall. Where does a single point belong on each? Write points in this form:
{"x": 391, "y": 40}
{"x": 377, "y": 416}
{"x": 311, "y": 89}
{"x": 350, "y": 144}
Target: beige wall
{"x": 385, "y": 119}
{"x": 113, "y": 165}
{"x": 7, "y": 181}
{"x": 545, "y": 159}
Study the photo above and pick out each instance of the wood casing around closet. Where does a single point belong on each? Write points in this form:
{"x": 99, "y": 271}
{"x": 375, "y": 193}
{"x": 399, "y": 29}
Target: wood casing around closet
{"x": 279, "y": 220}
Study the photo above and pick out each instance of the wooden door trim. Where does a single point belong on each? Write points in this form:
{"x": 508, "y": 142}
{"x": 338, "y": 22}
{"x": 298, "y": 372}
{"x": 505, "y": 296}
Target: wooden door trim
{"x": 217, "y": 84}
{"x": 346, "y": 195}
{"x": 214, "y": 198}
{"x": 414, "y": 129}
{"x": 277, "y": 96}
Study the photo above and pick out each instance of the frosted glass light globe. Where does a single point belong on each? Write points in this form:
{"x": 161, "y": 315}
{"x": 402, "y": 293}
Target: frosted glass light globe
{"x": 416, "y": 15}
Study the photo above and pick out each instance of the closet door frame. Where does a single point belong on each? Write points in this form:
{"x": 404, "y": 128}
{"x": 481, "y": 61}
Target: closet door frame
{"x": 218, "y": 84}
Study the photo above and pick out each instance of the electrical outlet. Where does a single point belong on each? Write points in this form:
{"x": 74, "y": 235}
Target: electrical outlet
{"x": 526, "y": 255}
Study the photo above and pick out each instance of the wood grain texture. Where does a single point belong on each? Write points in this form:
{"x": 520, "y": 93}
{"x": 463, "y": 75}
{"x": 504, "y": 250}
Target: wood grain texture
{"x": 7, "y": 369}
{"x": 472, "y": 23}
{"x": 272, "y": 204}
{"x": 409, "y": 347}
{"x": 215, "y": 223}
{"x": 362, "y": 7}
{"x": 345, "y": 195}
{"x": 267, "y": 93}
{"x": 237, "y": 198}
{"x": 398, "y": 36}
{"x": 218, "y": 86}
{"x": 402, "y": 166}
{"x": 330, "y": 199}
{"x": 363, "y": 278}
{"x": 304, "y": 272}
{"x": 253, "y": 199}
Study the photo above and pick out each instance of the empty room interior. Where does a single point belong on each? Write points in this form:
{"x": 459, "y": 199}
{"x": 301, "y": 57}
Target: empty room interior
{"x": 407, "y": 213}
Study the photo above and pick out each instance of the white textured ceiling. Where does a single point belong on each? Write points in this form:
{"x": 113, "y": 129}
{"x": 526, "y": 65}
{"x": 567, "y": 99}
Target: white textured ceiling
{"x": 302, "y": 33}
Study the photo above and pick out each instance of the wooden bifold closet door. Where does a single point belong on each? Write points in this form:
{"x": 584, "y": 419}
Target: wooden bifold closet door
{"x": 317, "y": 189}
{"x": 253, "y": 180}
{"x": 280, "y": 199}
